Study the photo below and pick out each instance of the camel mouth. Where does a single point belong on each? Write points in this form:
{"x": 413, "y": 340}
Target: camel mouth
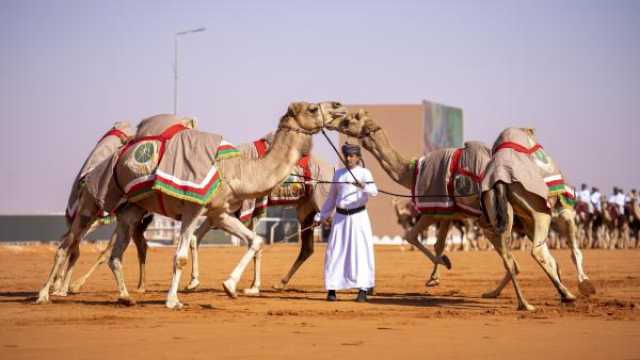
{"x": 338, "y": 115}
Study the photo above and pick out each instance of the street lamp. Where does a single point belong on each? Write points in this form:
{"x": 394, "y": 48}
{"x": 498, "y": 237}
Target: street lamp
{"x": 175, "y": 68}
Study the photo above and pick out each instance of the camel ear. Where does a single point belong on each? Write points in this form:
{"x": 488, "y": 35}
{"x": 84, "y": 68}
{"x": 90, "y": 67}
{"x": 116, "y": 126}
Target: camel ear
{"x": 530, "y": 131}
{"x": 295, "y": 108}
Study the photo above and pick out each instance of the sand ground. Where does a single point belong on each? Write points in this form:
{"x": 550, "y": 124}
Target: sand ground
{"x": 405, "y": 320}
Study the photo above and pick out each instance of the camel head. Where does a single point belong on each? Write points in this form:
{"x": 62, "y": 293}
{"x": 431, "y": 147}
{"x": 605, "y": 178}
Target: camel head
{"x": 310, "y": 118}
{"x": 358, "y": 124}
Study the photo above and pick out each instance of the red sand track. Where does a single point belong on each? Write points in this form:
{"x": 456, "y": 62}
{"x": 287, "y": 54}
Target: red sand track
{"x": 404, "y": 321}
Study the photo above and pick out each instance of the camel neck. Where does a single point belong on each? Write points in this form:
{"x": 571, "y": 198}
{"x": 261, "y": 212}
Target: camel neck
{"x": 251, "y": 178}
{"x": 393, "y": 163}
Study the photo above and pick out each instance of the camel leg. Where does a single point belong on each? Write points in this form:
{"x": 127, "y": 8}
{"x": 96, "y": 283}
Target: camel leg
{"x": 141, "y": 247}
{"x": 443, "y": 230}
{"x": 540, "y": 252}
{"x": 306, "y": 250}
{"x": 509, "y": 262}
{"x": 189, "y": 223}
{"x": 61, "y": 285}
{"x": 569, "y": 230}
{"x": 255, "y": 285}
{"x": 494, "y": 238}
{"x": 79, "y": 227}
{"x": 503, "y": 283}
{"x": 194, "y": 244}
{"x": 102, "y": 258}
{"x": 412, "y": 238}
{"x": 500, "y": 215}
{"x": 235, "y": 227}
{"x": 128, "y": 218}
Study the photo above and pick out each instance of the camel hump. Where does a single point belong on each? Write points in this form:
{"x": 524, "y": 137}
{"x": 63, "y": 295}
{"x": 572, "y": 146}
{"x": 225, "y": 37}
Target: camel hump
{"x": 157, "y": 124}
{"x": 125, "y": 127}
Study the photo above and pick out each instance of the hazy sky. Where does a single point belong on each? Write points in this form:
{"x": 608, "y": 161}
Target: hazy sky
{"x": 70, "y": 69}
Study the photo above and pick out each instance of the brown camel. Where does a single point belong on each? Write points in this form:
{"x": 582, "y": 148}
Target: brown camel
{"x": 302, "y": 193}
{"x": 227, "y": 182}
{"x": 374, "y": 139}
{"x": 523, "y": 181}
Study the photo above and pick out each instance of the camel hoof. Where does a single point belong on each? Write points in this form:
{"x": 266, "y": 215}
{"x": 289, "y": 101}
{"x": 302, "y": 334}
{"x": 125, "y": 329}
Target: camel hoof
{"x": 230, "y": 288}
{"x": 432, "y": 282}
{"x": 193, "y": 285}
{"x": 253, "y": 291}
{"x": 59, "y": 293}
{"x": 526, "y": 307}
{"x": 568, "y": 299}
{"x": 174, "y": 304}
{"x": 490, "y": 295}
{"x": 74, "y": 289}
{"x": 126, "y": 301}
{"x": 280, "y": 285}
{"x": 43, "y": 299}
{"x": 586, "y": 288}
{"x": 141, "y": 290}
{"x": 446, "y": 262}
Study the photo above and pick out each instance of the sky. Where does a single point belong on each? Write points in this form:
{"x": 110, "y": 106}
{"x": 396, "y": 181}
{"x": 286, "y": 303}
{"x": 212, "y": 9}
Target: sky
{"x": 70, "y": 69}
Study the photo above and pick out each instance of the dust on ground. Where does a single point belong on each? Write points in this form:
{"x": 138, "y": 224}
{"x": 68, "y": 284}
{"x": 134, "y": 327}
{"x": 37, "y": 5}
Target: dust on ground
{"x": 404, "y": 320}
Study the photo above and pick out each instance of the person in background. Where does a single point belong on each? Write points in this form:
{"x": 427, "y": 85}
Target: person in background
{"x": 595, "y": 199}
{"x": 584, "y": 196}
{"x": 349, "y": 258}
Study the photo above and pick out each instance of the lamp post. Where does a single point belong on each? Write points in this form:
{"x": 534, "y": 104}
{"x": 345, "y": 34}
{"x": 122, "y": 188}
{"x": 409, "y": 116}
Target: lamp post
{"x": 175, "y": 68}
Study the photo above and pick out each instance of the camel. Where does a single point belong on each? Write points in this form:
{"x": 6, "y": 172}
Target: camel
{"x": 514, "y": 186}
{"x": 607, "y": 226}
{"x": 374, "y": 139}
{"x": 306, "y": 197}
{"x": 84, "y": 213}
{"x": 585, "y": 223}
{"x": 232, "y": 180}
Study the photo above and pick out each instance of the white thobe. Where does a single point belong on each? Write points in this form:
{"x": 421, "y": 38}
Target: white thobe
{"x": 349, "y": 259}
{"x": 620, "y": 200}
{"x": 584, "y": 196}
{"x": 595, "y": 200}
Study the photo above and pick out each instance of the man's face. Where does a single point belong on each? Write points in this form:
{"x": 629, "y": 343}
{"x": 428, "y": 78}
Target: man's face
{"x": 352, "y": 160}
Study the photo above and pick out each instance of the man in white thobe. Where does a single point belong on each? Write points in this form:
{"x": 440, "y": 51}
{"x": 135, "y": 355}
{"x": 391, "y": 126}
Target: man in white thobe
{"x": 349, "y": 259}
{"x": 584, "y": 196}
{"x": 595, "y": 199}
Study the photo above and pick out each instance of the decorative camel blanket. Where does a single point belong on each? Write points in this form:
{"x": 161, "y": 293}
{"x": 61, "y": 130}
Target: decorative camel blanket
{"x": 448, "y": 180}
{"x": 518, "y": 157}
{"x": 179, "y": 163}
{"x": 289, "y": 192}
{"x": 109, "y": 144}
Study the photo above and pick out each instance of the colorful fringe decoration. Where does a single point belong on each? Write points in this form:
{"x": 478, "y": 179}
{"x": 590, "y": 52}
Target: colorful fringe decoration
{"x": 226, "y": 150}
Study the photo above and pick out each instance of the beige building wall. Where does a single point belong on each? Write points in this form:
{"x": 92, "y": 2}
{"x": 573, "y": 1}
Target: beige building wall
{"x": 404, "y": 124}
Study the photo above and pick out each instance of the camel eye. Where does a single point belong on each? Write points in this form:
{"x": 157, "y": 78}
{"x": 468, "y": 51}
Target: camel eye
{"x": 313, "y": 108}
